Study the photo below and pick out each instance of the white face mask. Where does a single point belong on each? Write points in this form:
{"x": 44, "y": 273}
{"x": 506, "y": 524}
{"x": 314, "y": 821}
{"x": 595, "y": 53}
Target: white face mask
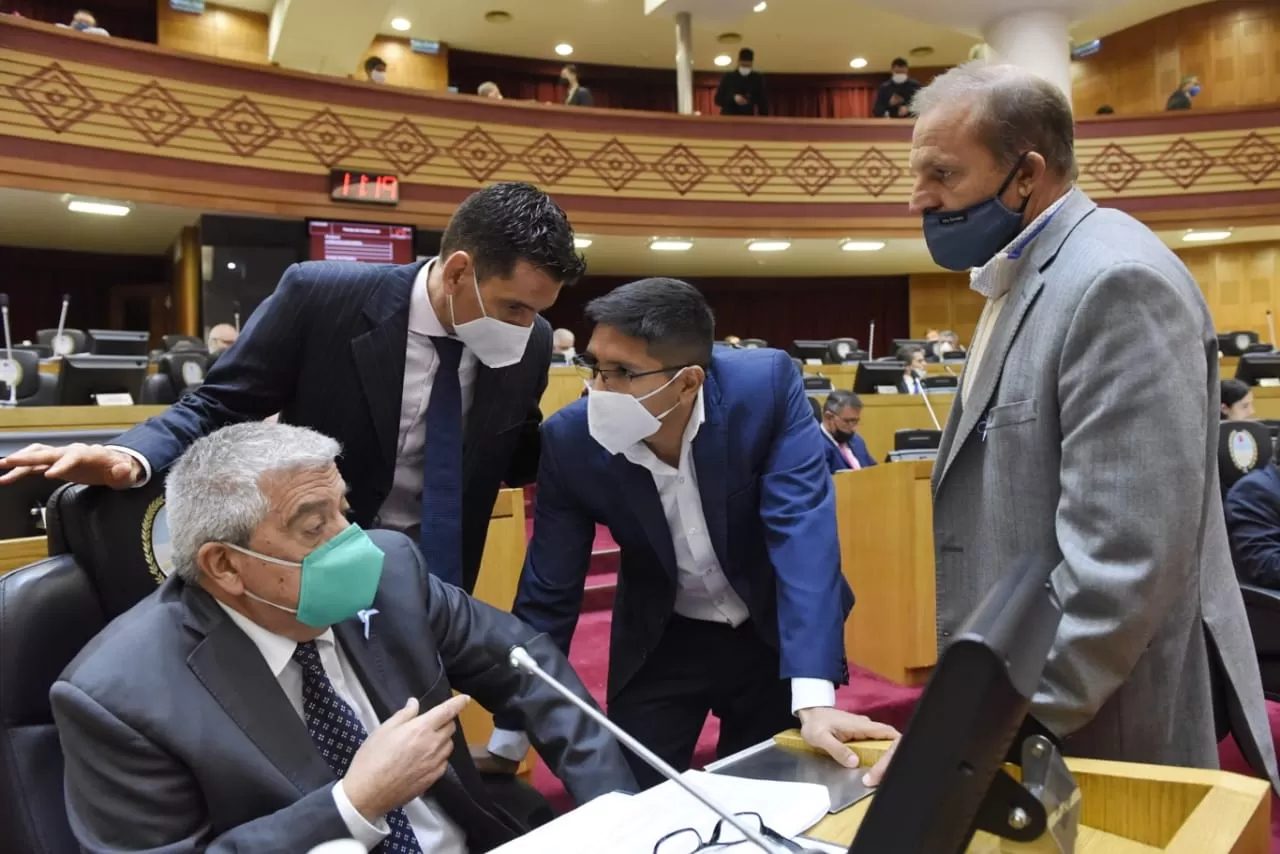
{"x": 744, "y": 71}
{"x": 617, "y": 421}
{"x": 497, "y": 344}
{"x": 900, "y": 78}
{"x": 378, "y": 76}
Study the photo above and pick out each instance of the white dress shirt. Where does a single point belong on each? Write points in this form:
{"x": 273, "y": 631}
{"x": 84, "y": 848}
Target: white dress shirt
{"x": 436, "y": 833}
{"x": 703, "y": 592}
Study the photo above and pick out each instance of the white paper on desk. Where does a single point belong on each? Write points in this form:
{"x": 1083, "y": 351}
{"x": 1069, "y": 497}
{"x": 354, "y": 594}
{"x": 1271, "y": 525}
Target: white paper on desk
{"x": 632, "y": 824}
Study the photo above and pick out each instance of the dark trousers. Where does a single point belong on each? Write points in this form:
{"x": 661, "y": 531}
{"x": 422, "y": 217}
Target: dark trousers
{"x": 701, "y": 667}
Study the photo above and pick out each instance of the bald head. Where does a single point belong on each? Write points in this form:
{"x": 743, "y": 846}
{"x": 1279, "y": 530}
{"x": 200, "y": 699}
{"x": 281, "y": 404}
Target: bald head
{"x": 221, "y": 337}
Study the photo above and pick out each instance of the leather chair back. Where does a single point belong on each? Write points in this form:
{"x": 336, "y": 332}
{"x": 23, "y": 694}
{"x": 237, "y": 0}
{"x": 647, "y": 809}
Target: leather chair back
{"x": 1242, "y": 447}
{"x": 48, "y": 612}
{"x": 78, "y": 341}
{"x": 176, "y": 373}
{"x": 1263, "y": 609}
{"x": 842, "y": 350}
{"x": 31, "y": 387}
{"x": 753, "y": 343}
{"x": 190, "y": 342}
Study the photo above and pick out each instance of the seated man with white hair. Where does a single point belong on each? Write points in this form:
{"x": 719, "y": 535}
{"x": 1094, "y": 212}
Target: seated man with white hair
{"x": 292, "y": 682}
{"x": 562, "y": 342}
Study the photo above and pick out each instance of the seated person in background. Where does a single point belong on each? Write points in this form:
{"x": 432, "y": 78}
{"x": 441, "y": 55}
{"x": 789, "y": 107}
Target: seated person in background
{"x": 840, "y": 417}
{"x": 562, "y": 342}
{"x": 948, "y": 342}
{"x": 707, "y": 468}
{"x": 489, "y": 89}
{"x": 1181, "y": 97}
{"x": 220, "y": 338}
{"x": 1237, "y": 401}
{"x": 375, "y": 69}
{"x": 1253, "y": 525}
{"x": 913, "y": 357}
{"x": 292, "y": 682}
{"x": 733, "y": 340}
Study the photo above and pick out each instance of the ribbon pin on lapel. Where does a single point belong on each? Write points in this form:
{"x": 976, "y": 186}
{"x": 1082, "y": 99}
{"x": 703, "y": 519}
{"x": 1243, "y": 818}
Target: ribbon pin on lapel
{"x": 365, "y": 617}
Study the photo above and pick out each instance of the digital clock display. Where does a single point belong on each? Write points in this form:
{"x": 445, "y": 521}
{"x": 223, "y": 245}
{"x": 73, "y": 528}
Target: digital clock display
{"x": 371, "y": 188}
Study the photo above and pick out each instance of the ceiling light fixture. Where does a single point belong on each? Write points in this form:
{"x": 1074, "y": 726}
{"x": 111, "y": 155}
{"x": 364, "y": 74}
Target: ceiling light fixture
{"x": 858, "y": 62}
{"x": 400, "y": 24}
{"x": 768, "y": 245}
{"x": 564, "y": 49}
{"x": 1206, "y": 236}
{"x": 862, "y": 245}
{"x": 723, "y": 59}
{"x": 498, "y": 16}
{"x": 670, "y": 244}
{"x": 231, "y": 265}
{"x": 581, "y": 242}
{"x": 100, "y": 208}
{"x": 760, "y": 7}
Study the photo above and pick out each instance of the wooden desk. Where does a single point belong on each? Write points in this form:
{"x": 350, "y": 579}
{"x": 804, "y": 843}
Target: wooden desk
{"x": 885, "y": 521}
{"x": 1266, "y": 402}
{"x": 53, "y": 367}
{"x": 37, "y": 419}
{"x": 885, "y": 414}
{"x": 564, "y": 386}
{"x": 1126, "y": 808}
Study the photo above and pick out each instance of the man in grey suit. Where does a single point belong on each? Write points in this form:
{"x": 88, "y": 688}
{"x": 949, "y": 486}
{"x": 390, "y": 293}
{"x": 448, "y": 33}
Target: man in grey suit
{"x": 1057, "y": 446}
{"x": 266, "y": 697}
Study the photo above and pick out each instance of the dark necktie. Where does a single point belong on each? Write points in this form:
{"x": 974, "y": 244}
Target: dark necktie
{"x": 338, "y": 734}
{"x": 441, "y": 534}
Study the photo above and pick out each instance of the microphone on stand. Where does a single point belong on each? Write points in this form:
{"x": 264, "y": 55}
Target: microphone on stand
{"x": 520, "y": 659}
{"x": 1271, "y": 330}
{"x": 10, "y": 368}
{"x": 235, "y": 307}
{"x": 924, "y": 395}
{"x": 62, "y": 324}
{"x": 871, "y": 342}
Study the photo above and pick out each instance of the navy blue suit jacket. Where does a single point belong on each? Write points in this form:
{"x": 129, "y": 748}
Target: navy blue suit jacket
{"x": 1253, "y": 524}
{"x": 836, "y": 461}
{"x": 327, "y": 351}
{"x": 769, "y": 504}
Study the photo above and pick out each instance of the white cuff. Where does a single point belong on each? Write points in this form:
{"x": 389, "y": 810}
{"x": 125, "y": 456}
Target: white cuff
{"x": 809, "y": 693}
{"x": 368, "y": 835}
{"x": 509, "y": 745}
{"x": 146, "y": 466}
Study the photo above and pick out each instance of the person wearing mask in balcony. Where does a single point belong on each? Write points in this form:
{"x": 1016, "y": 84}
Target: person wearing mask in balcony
{"x": 579, "y": 95}
{"x": 489, "y": 89}
{"x": 893, "y": 98}
{"x": 375, "y": 69}
{"x": 1181, "y": 97}
{"x": 84, "y": 21}
{"x": 741, "y": 91}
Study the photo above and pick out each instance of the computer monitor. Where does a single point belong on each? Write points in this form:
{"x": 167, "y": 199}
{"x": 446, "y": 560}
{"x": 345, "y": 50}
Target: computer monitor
{"x": 941, "y": 384}
{"x": 83, "y": 378}
{"x": 1259, "y": 368}
{"x": 947, "y": 768}
{"x": 917, "y": 440}
{"x": 42, "y": 351}
{"x": 117, "y": 342}
{"x": 812, "y": 351}
{"x": 872, "y": 376}
{"x": 814, "y": 384}
{"x": 899, "y": 343}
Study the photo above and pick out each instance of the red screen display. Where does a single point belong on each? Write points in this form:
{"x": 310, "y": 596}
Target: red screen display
{"x": 361, "y": 241}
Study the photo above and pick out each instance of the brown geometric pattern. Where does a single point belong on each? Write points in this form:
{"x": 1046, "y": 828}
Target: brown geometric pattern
{"x": 547, "y": 159}
{"x": 327, "y": 138}
{"x": 56, "y": 97}
{"x": 152, "y": 111}
{"x": 811, "y": 171}
{"x": 875, "y": 172}
{"x": 243, "y": 126}
{"x": 1115, "y": 167}
{"x": 747, "y": 170}
{"x": 1183, "y": 163}
{"x": 404, "y": 146}
{"x": 1253, "y": 157}
{"x": 681, "y": 168}
{"x": 615, "y": 164}
{"x": 479, "y": 154}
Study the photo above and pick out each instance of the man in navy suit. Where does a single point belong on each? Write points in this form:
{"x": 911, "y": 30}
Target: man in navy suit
{"x": 429, "y": 374}
{"x": 845, "y": 449}
{"x": 708, "y": 469}
{"x": 1253, "y": 525}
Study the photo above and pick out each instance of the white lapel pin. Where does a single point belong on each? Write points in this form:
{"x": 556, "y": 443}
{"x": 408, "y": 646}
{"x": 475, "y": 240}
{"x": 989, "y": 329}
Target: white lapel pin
{"x": 366, "y": 616}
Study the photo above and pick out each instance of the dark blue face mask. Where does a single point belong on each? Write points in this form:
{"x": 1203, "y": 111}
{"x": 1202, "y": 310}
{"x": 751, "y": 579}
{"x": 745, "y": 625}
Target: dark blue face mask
{"x": 79, "y": 25}
{"x": 1194, "y": 90}
{"x": 972, "y": 236}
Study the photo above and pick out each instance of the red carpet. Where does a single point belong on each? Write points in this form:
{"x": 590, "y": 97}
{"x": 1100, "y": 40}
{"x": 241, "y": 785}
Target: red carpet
{"x": 866, "y": 694}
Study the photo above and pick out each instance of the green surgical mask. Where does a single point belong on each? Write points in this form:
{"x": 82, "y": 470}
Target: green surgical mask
{"x": 339, "y": 579}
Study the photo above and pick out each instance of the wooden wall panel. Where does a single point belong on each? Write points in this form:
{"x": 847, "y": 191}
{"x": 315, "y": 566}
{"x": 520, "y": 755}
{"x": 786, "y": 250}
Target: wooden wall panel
{"x": 221, "y": 32}
{"x": 406, "y": 68}
{"x": 943, "y": 301}
{"x": 1233, "y": 45}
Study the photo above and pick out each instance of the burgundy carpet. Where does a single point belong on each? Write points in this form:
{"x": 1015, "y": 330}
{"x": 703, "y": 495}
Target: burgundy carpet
{"x": 866, "y": 694}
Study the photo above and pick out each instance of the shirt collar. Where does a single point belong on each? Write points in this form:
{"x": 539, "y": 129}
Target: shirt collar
{"x": 422, "y": 317}
{"x": 276, "y": 649}
{"x": 642, "y": 455}
{"x": 994, "y": 278}
{"x": 823, "y": 427}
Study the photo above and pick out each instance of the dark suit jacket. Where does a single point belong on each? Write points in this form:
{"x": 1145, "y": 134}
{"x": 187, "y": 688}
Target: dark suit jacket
{"x": 178, "y": 738}
{"x": 751, "y": 87}
{"x": 836, "y": 461}
{"x": 769, "y": 504}
{"x": 581, "y": 97}
{"x": 1253, "y": 524}
{"x": 902, "y": 386}
{"x": 885, "y": 92}
{"x": 327, "y": 351}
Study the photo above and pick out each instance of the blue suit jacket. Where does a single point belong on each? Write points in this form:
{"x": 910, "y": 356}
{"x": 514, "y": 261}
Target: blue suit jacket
{"x": 769, "y": 504}
{"x": 327, "y": 351}
{"x": 836, "y": 461}
{"x": 1253, "y": 524}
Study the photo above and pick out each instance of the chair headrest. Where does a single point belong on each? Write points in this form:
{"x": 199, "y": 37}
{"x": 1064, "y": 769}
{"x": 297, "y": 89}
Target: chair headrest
{"x": 23, "y": 372}
{"x": 185, "y": 369}
{"x": 72, "y": 341}
{"x": 120, "y": 538}
{"x": 1242, "y": 447}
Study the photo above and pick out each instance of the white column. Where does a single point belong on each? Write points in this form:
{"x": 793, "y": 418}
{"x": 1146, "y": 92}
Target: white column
{"x": 684, "y": 63}
{"x": 1034, "y": 39}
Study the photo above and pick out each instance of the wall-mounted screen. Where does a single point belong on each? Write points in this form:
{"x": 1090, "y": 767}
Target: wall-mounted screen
{"x": 360, "y": 241}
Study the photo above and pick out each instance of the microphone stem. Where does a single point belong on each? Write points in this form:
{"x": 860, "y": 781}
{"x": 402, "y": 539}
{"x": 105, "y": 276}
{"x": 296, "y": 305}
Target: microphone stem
{"x": 8, "y": 355}
{"x": 924, "y": 395}
{"x": 526, "y": 662}
{"x": 62, "y": 324}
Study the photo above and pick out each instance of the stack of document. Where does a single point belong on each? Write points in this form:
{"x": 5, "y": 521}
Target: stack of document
{"x": 633, "y": 824}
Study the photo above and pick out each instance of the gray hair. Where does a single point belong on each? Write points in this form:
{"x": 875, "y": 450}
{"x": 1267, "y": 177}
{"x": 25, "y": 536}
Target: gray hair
{"x": 1014, "y": 111}
{"x": 213, "y": 492}
{"x": 562, "y": 338}
{"x": 841, "y": 399}
{"x": 487, "y": 88}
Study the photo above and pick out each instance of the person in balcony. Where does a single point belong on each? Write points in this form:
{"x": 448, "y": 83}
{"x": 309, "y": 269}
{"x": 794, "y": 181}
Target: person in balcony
{"x": 893, "y": 98}
{"x": 741, "y": 91}
{"x": 84, "y": 21}
{"x": 579, "y": 95}
{"x": 1181, "y": 97}
{"x": 489, "y": 89}
{"x": 375, "y": 69}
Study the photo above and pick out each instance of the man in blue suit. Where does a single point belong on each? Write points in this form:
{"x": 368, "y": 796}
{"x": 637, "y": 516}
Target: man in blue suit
{"x": 845, "y": 449}
{"x": 1253, "y": 525}
{"x": 429, "y": 374}
{"x": 708, "y": 469}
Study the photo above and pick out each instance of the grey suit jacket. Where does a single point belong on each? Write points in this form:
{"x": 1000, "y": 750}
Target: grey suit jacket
{"x": 1090, "y": 436}
{"x": 178, "y": 738}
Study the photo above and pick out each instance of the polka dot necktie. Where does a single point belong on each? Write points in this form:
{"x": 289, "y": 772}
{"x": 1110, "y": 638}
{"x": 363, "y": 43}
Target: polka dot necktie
{"x": 338, "y": 734}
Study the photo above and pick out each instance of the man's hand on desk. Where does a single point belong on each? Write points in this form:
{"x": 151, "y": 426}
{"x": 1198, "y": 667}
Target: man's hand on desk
{"x": 489, "y": 763}
{"x": 95, "y": 465}
{"x": 827, "y": 729}
{"x": 873, "y": 777}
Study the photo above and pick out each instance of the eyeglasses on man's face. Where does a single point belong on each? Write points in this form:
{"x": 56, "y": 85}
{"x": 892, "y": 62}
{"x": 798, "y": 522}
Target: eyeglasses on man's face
{"x": 589, "y": 369}
{"x": 688, "y": 840}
